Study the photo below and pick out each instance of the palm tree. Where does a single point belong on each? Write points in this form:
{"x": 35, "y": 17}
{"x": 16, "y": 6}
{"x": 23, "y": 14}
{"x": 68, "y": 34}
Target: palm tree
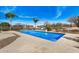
{"x": 10, "y": 16}
{"x": 35, "y": 20}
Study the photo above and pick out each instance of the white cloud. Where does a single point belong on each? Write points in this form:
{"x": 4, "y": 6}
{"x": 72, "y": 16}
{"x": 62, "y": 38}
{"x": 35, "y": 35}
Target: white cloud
{"x": 60, "y": 11}
{"x": 22, "y": 16}
{"x": 8, "y": 9}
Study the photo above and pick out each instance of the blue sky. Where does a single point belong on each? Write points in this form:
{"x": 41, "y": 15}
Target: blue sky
{"x": 52, "y": 14}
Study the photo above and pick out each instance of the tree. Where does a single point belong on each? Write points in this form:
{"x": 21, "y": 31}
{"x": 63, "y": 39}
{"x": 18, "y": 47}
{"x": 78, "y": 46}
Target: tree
{"x": 58, "y": 26}
{"x": 18, "y": 26}
{"x": 10, "y": 16}
{"x": 47, "y": 26}
{"x": 35, "y": 20}
{"x": 0, "y": 25}
{"x": 5, "y": 25}
{"x": 74, "y": 20}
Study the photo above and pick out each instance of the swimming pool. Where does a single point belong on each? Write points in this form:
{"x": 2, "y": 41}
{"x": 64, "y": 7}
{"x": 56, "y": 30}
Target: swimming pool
{"x": 51, "y": 36}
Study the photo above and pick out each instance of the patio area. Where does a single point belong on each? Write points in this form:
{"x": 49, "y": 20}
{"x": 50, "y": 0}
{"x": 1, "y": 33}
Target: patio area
{"x": 30, "y": 44}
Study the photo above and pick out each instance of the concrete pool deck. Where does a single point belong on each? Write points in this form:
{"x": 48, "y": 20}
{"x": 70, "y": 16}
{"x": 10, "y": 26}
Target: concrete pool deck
{"x": 30, "y": 44}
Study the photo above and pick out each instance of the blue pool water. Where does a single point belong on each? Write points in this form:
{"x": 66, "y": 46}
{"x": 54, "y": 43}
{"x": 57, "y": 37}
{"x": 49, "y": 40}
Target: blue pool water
{"x": 45, "y": 35}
